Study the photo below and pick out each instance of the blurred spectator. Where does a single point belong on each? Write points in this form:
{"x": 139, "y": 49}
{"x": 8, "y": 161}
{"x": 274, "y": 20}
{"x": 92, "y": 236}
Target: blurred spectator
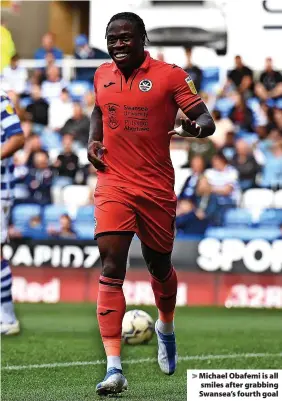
{"x": 20, "y": 173}
{"x": 277, "y": 118}
{"x": 78, "y": 125}
{"x": 272, "y": 168}
{"x": 35, "y": 229}
{"x": 65, "y": 230}
{"x": 48, "y": 46}
{"x": 53, "y": 86}
{"x": 246, "y": 165}
{"x": 229, "y": 149}
{"x": 37, "y": 110}
{"x": 241, "y": 78}
{"x": 195, "y": 72}
{"x": 200, "y": 147}
{"x": 16, "y": 103}
{"x": 39, "y": 179}
{"x": 189, "y": 188}
{"x": 194, "y": 215}
{"x": 89, "y": 103}
{"x": 67, "y": 162}
{"x": 64, "y": 104}
{"x": 270, "y": 82}
{"x": 223, "y": 126}
{"x": 7, "y": 46}
{"x": 241, "y": 115}
{"x": 32, "y": 144}
{"x": 223, "y": 179}
{"x": 14, "y": 76}
{"x": 84, "y": 52}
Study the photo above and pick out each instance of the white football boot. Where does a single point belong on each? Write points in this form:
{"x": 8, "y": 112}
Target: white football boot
{"x": 167, "y": 353}
{"x": 113, "y": 383}
{"x": 9, "y": 329}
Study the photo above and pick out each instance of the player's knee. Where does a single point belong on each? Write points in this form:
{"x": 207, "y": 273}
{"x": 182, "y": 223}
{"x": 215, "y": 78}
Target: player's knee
{"x": 112, "y": 269}
{"x": 159, "y": 269}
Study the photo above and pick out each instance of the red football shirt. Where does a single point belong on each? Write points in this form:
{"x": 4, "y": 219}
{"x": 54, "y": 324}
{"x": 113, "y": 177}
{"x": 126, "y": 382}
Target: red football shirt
{"x": 137, "y": 116}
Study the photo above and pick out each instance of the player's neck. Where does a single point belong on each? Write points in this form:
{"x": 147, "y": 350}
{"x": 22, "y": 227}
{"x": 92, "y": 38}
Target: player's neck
{"x": 127, "y": 72}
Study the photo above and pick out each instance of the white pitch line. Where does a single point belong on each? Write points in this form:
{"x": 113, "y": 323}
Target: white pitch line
{"x": 137, "y": 361}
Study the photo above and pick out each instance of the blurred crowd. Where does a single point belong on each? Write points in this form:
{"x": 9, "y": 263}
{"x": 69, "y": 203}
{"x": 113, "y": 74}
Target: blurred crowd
{"x": 245, "y": 151}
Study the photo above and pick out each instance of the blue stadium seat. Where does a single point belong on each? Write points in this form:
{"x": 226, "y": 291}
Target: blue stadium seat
{"x": 84, "y": 230}
{"x": 85, "y": 214}
{"x": 235, "y": 217}
{"x": 245, "y": 234}
{"x": 22, "y": 213}
{"x": 52, "y": 213}
{"x": 78, "y": 89}
{"x": 210, "y": 80}
{"x": 224, "y": 105}
{"x": 271, "y": 217}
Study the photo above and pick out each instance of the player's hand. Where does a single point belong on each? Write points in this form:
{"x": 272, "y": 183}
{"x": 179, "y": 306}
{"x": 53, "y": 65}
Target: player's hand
{"x": 94, "y": 148}
{"x": 187, "y": 129}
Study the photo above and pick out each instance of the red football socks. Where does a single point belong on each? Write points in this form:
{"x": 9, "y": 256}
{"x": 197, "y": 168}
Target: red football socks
{"x": 165, "y": 295}
{"x": 110, "y": 311}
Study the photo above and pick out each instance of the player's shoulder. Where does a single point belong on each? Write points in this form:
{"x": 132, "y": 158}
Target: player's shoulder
{"x": 104, "y": 68}
{"x": 170, "y": 68}
{"x": 173, "y": 72}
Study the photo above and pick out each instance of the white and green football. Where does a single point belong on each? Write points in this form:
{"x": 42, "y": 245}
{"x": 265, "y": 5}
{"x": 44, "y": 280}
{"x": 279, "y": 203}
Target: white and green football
{"x": 137, "y": 327}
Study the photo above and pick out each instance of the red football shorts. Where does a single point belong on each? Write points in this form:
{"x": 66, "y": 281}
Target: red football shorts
{"x": 151, "y": 216}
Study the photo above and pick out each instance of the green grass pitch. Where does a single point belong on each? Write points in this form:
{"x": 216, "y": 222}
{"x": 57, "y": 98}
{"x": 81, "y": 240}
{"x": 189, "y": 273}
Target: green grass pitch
{"x": 64, "y": 333}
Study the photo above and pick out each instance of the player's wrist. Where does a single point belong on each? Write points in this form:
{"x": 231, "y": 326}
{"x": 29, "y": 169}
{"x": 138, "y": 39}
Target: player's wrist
{"x": 185, "y": 134}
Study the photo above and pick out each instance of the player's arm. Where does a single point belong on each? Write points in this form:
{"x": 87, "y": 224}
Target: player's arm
{"x": 95, "y": 140}
{"x": 11, "y": 126}
{"x": 198, "y": 122}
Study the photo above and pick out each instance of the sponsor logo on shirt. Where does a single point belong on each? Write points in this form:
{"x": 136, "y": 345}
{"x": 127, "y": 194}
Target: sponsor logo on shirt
{"x": 112, "y": 113}
{"x": 145, "y": 85}
{"x": 9, "y": 109}
{"x": 191, "y": 85}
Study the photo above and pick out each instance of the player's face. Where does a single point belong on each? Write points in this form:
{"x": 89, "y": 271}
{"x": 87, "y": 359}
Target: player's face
{"x": 125, "y": 46}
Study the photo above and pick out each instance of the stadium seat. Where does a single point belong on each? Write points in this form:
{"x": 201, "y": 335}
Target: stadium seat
{"x": 85, "y": 214}
{"x": 181, "y": 175}
{"x": 245, "y": 233}
{"x": 224, "y": 105}
{"x": 52, "y": 213}
{"x": 178, "y": 157}
{"x": 78, "y": 89}
{"x": 57, "y": 195}
{"x": 84, "y": 230}
{"x": 22, "y": 213}
{"x": 237, "y": 217}
{"x": 210, "y": 82}
{"x": 271, "y": 217}
{"x": 75, "y": 196}
{"x": 277, "y": 202}
{"x": 82, "y": 155}
{"x": 257, "y": 198}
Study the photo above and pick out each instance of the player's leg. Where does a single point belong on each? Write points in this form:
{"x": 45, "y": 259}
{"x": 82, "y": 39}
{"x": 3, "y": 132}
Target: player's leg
{"x": 111, "y": 307}
{"x": 114, "y": 231}
{"x": 9, "y": 322}
{"x": 156, "y": 231}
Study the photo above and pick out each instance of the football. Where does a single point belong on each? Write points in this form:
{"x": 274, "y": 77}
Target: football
{"x": 137, "y": 327}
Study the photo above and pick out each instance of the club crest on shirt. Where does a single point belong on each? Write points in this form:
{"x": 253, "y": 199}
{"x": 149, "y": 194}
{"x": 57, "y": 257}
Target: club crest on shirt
{"x": 145, "y": 85}
{"x": 191, "y": 85}
{"x": 113, "y": 121}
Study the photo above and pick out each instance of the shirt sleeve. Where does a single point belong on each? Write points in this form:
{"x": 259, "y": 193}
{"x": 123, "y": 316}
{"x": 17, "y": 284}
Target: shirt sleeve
{"x": 183, "y": 89}
{"x": 95, "y": 89}
{"x": 10, "y": 122}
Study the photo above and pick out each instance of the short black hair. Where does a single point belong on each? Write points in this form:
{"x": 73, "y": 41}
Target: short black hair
{"x": 134, "y": 19}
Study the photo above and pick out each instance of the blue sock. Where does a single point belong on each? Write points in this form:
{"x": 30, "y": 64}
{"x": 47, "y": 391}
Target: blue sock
{"x": 7, "y": 307}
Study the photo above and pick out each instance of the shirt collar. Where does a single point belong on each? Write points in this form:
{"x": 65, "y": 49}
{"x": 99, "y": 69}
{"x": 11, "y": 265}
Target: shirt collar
{"x": 144, "y": 66}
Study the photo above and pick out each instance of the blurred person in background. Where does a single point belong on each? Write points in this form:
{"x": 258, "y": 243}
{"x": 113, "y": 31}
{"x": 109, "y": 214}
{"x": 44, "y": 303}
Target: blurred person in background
{"x": 272, "y": 163}
{"x": 35, "y": 229}
{"x": 14, "y": 76}
{"x": 21, "y": 171}
{"x": 88, "y": 103}
{"x": 277, "y": 118}
{"x": 195, "y": 72}
{"x": 270, "y": 82}
{"x": 240, "y": 78}
{"x": 12, "y": 139}
{"x": 67, "y": 163}
{"x": 33, "y": 143}
{"x": 84, "y": 52}
{"x": 37, "y": 110}
{"x": 48, "y": 46}
{"x": 54, "y": 84}
{"x": 222, "y": 127}
{"x": 56, "y": 120}
{"x": 241, "y": 115}
{"x": 200, "y": 147}
{"x": 8, "y": 49}
{"x": 197, "y": 164}
{"x": 194, "y": 215}
{"x": 223, "y": 179}
{"x": 39, "y": 179}
{"x": 65, "y": 230}
{"x": 15, "y": 99}
{"x": 78, "y": 125}
{"x": 246, "y": 165}
{"x": 229, "y": 146}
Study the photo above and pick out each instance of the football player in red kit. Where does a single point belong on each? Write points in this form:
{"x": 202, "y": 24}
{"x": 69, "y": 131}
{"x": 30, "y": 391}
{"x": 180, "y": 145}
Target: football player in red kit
{"x": 137, "y": 98}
